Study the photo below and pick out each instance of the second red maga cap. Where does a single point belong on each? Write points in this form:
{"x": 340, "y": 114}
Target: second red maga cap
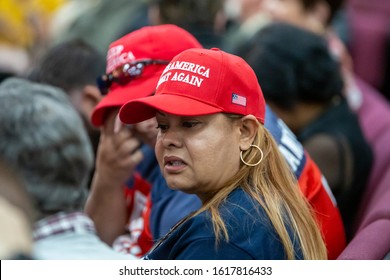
{"x": 201, "y": 82}
{"x": 161, "y": 42}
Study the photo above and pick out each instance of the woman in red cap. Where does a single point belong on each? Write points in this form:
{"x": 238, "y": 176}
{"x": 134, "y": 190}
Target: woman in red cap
{"x": 212, "y": 143}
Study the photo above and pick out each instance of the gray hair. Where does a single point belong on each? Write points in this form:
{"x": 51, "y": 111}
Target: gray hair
{"x": 43, "y": 137}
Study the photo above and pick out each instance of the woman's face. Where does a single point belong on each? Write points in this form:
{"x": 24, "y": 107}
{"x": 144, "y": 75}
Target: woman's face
{"x": 197, "y": 154}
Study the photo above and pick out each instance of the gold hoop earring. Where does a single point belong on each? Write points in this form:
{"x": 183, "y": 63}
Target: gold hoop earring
{"x": 253, "y": 164}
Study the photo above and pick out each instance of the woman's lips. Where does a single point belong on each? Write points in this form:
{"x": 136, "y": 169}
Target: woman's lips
{"x": 173, "y": 164}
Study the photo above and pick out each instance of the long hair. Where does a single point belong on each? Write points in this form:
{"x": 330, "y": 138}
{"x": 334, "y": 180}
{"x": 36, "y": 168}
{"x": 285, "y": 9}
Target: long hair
{"x": 274, "y": 187}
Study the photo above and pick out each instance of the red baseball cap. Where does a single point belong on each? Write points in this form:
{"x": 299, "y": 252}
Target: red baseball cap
{"x": 161, "y": 42}
{"x": 201, "y": 82}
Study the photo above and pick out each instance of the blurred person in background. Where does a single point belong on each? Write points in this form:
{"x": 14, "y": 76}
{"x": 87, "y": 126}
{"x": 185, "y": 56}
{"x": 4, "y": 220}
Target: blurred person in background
{"x": 73, "y": 66}
{"x": 98, "y": 22}
{"x": 44, "y": 140}
{"x": 24, "y": 31}
{"x": 204, "y": 19}
{"x": 246, "y": 18}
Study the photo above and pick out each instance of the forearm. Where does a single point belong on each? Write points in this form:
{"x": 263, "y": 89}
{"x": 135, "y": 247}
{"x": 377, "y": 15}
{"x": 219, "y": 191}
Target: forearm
{"x": 117, "y": 156}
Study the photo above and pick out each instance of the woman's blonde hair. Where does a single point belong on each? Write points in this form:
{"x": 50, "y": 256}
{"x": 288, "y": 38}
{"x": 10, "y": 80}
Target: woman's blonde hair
{"x": 274, "y": 187}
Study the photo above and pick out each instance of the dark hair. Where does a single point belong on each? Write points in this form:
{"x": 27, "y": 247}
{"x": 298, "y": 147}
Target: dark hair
{"x": 293, "y": 65}
{"x": 69, "y": 65}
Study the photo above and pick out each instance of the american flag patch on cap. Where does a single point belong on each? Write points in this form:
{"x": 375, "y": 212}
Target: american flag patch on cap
{"x": 238, "y": 99}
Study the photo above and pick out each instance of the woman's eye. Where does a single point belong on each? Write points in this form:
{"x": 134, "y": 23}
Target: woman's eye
{"x": 162, "y": 127}
{"x": 190, "y": 124}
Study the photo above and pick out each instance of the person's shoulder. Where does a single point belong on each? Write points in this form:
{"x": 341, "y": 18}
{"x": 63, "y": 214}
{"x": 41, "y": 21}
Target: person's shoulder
{"x": 244, "y": 215}
{"x": 249, "y": 226}
{"x": 75, "y": 246}
{"x": 237, "y": 209}
{"x": 291, "y": 149}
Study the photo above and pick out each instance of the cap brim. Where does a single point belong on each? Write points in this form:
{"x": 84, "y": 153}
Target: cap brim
{"x": 145, "y": 108}
{"x": 122, "y": 94}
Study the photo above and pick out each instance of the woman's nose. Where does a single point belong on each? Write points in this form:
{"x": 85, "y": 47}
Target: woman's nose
{"x": 171, "y": 138}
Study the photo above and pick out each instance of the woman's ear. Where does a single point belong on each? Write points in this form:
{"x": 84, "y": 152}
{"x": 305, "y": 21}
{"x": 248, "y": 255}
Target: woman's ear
{"x": 249, "y": 126}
